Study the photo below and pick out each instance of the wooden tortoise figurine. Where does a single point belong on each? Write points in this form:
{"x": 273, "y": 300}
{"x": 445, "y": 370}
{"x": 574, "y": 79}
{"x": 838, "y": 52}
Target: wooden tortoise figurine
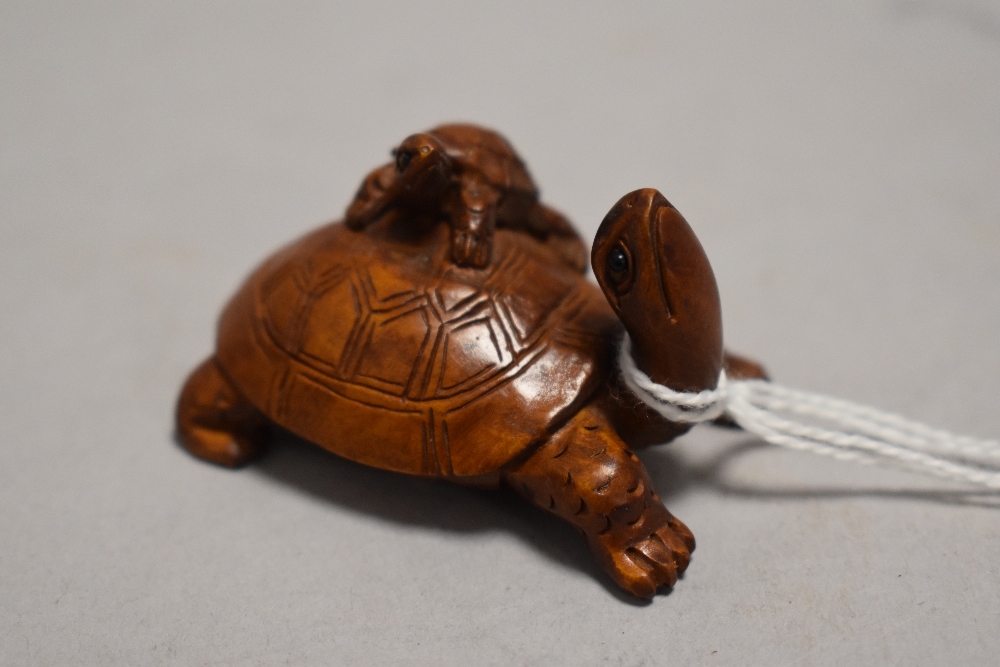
{"x": 381, "y": 348}
{"x": 471, "y": 177}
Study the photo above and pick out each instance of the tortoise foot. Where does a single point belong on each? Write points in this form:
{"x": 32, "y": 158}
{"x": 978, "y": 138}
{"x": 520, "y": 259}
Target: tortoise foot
{"x": 215, "y": 423}
{"x": 641, "y": 565}
{"x": 586, "y": 475}
{"x": 469, "y": 249}
{"x": 742, "y": 368}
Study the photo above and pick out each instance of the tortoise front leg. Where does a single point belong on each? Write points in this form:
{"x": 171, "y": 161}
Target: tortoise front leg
{"x": 371, "y": 200}
{"x": 473, "y": 221}
{"x": 586, "y": 475}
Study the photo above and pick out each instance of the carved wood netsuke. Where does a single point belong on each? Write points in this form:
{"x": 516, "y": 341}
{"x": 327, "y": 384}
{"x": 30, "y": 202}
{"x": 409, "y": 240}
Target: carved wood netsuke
{"x": 446, "y": 329}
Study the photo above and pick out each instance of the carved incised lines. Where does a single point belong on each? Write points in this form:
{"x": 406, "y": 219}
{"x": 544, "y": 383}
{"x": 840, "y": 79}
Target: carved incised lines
{"x": 411, "y": 335}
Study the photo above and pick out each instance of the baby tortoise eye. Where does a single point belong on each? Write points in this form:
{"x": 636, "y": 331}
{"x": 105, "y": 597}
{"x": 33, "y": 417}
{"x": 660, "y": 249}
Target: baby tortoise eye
{"x": 618, "y": 260}
{"x": 403, "y": 160}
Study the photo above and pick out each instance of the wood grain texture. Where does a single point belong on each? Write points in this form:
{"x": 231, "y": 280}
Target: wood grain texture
{"x": 375, "y": 340}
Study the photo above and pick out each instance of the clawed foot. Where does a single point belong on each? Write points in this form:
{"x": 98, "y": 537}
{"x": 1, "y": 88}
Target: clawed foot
{"x": 643, "y": 565}
{"x": 587, "y": 475}
{"x": 467, "y": 249}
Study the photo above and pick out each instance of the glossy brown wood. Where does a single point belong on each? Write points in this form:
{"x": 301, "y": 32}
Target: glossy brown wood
{"x": 665, "y": 295}
{"x": 586, "y": 474}
{"x": 373, "y": 342}
{"x": 473, "y": 178}
{"x": 382, "y": 350}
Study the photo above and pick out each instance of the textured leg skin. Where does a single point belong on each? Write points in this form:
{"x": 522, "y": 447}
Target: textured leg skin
{"x": 215, "y": 422}
{"x": 586, "y": 475}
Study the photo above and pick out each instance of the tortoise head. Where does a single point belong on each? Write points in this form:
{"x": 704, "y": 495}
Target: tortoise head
{"x": 657, "y": 278}
{"x": 423, "y": 168}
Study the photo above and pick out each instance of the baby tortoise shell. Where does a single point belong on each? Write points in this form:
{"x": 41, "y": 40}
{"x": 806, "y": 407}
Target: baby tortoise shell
{"x": 472, "y": 177}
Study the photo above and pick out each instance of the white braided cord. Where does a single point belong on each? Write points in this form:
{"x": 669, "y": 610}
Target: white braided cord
{"x": 676, "y": 406}
{"x": 873, "y": 436}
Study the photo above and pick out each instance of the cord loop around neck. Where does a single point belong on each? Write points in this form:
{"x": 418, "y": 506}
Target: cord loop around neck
{"x": 870, "y": 436}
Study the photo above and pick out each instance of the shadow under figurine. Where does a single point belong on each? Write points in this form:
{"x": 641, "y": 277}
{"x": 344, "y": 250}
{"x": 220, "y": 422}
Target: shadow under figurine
{"x": 374, "y": 341}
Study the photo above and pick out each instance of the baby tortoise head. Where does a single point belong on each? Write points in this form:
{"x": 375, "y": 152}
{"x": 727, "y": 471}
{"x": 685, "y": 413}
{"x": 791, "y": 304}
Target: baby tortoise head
{"x": 423, "y": 168}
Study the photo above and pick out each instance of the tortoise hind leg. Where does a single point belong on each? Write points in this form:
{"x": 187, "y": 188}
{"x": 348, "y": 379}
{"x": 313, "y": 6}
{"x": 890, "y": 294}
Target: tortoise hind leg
{"x": 563, "y": 239}
{"x": 215, "y": 422}
{"x": 586, "y": 475}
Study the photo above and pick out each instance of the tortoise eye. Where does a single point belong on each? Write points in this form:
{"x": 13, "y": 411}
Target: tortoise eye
{"x": 403, "y": 160}
{"x": 618, "y": 260}
{"x": 619, "y": 271}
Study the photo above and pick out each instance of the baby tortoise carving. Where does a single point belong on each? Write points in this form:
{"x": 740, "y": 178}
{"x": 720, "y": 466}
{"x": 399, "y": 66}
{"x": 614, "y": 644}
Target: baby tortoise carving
{"x": 379, "y": 347}
{"x": 472, "y": 177}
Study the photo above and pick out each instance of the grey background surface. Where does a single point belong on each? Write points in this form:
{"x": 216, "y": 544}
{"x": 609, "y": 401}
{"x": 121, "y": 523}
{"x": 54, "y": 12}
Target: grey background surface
{"x": 839, "y": 163}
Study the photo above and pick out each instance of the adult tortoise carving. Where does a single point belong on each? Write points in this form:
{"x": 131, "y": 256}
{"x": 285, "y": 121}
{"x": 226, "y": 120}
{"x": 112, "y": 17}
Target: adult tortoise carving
{"x": 378, "y": 346}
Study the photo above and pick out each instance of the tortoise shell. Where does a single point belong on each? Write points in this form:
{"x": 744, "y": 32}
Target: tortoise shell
{"x": 487, "y": 152}
{"x": 376, "y": 346}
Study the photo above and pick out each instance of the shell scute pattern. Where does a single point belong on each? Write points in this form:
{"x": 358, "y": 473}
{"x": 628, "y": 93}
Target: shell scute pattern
{"x": 418, "y": 336}
{"x": 488, "y": 153}
{"x": 439, "y": 371}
